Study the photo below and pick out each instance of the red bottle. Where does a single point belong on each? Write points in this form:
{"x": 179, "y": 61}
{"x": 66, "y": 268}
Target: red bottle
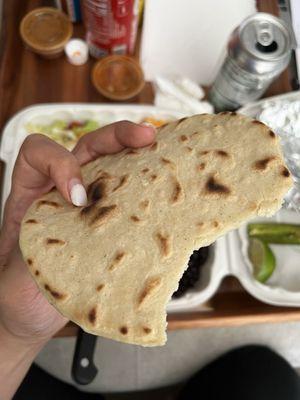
{"x": 111, "y": 26}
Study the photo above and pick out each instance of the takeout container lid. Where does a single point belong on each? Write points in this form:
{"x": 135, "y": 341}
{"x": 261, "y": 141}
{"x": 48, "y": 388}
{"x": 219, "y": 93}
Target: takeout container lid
{"x": 46, "y": 30}
{"x": 118, "y": 77}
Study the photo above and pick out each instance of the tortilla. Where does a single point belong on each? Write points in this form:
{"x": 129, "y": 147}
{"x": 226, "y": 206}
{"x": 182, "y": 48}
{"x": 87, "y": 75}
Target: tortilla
{"x": 113, "y": 265}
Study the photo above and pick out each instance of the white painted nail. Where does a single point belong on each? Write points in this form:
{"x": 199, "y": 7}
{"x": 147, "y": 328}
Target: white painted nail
{"x": 78, "y": 195}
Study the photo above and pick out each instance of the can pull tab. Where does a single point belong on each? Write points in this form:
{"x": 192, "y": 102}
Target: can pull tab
{"x": 264, "y": 33}
{"x": 265, "y": 38}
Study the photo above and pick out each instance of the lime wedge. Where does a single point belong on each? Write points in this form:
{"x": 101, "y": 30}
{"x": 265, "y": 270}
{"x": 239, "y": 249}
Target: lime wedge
{"x": 262, "y": 259}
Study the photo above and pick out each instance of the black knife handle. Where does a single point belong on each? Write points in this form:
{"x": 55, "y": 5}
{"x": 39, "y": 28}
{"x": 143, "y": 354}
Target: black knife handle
{"x": 83, "y": 367}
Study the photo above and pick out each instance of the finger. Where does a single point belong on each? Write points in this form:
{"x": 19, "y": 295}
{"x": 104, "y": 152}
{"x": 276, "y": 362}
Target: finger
{"x": 112, "y": 139}
{"x": 41, "y": 164}
{"x": 41, "y": 161}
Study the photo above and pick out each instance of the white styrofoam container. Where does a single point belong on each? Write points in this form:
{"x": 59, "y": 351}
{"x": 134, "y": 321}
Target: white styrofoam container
{"x": 211, "y": 275}
{"x": 228, "y": 255}
{"x": 283, "y": 288}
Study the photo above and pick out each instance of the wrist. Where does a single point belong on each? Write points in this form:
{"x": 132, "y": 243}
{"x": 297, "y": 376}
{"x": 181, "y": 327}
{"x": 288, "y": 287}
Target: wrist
{"x": 16, "y": 358}
{"x": 20, "y": 345}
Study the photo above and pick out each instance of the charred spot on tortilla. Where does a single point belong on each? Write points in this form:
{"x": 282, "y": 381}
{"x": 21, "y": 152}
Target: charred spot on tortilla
{"x": 262, "y": 164}
{"x": 201, "y": 166}
{"x": 177, "y": 191}
{"x": 87, "y": 209}
{"x": 97, "y": 190}
{"x": 117, "y": 260}
{"x": 164, "y": 244}
{"x": 144, "y": 204}
{"x": 123, "y": 181}
{"x": 92, "y": 315}
{"x": 222, "y": 153}
{"x": 272, "y": 134}
{"x": 213, "y": 186}
{"x": 55, "y": 241}
{"x": 104, "y": 175}
{"x": 165, "y": 160}
{"x": 103, "y": 214}
{"x": 150, "y": 286}
{"x": 183, "y": 138}
{"x": 100, "y": 287}
{"x": 31, "y": 221}
{"x": 48, "y": 203}
{"x": 124, "y": 330}
{"x": 285, "y": 172}
{"x": 54, "y": 293}
{"x": 135, "y": 218}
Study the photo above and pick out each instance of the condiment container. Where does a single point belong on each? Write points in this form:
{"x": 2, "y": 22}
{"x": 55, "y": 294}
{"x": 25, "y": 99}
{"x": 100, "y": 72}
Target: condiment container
{"x": 45, "y": 31}
{"x": 77, "y": 51}
{"x": 111, "y": 26}
{"x": 118, "y": 77}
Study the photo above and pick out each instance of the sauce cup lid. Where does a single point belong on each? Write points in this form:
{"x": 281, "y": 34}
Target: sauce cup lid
{"x": 118, "y": 77}
{"x": 46, "y": 29}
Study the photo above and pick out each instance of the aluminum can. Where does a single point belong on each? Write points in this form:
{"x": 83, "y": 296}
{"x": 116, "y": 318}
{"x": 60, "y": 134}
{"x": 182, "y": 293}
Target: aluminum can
{"x": 111, "y": 26}
{"x": 258, "y": 51}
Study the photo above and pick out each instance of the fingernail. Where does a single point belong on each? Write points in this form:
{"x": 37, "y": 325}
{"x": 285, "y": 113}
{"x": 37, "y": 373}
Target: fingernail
{"x": 78, "y": 193}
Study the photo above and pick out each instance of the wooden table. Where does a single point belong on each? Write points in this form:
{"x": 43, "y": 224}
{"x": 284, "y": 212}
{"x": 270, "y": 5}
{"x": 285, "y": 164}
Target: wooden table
{"x": 26, "y": 79}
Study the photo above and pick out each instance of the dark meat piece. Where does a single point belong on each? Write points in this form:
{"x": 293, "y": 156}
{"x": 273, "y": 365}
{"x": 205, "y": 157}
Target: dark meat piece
{"x": 192, "y": 273}
{"x": 75, "y": 124}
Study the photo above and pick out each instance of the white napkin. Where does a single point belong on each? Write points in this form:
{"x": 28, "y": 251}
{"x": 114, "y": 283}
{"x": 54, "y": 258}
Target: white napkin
{"x": 182, "y": 94}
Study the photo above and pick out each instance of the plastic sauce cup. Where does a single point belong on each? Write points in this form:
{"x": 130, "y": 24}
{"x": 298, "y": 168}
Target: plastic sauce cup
{"x": 118, "y": 77}
{"x": 77, "y": 51}
{"x": 45, "y": 31}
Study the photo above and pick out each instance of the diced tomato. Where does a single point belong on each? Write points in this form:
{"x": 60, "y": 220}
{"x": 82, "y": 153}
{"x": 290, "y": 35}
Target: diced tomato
{"x": 75, "y": 124}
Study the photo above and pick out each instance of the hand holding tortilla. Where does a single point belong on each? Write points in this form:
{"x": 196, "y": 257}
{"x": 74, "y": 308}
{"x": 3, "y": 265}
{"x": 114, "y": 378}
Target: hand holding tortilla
{"x": 25, "y": 314}
{"x": 112, "y": 265}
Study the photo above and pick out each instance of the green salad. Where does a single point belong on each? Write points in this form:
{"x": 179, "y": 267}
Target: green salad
{"x": 64, "y": 132}
{"x": 67, "y": 133}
